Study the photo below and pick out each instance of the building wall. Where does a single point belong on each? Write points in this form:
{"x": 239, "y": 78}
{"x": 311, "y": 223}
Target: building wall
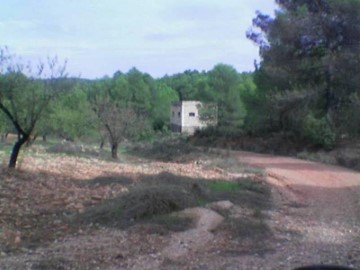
{"x": 175, "y": 117}
{"x": 185, "y": 117}
{"x": 190, "y": 115}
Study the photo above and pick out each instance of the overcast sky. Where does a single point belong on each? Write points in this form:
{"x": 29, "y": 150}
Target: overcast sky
{"x": 99, "y": 37}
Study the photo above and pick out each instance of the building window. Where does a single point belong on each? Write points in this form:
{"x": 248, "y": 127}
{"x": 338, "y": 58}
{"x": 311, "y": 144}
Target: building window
{"x": 179, "y": 114}
{"x": 192, "y": 114}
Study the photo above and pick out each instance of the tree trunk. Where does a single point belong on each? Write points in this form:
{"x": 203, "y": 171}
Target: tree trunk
{"x": 16, "y": 150}
{"x": 102, "y": 142}
{"x": 114, "y": 150}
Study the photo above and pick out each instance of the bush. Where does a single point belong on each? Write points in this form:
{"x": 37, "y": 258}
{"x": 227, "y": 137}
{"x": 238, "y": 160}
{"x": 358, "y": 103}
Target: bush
{"x": 319, "y": 132}
{"x": 153, "y": 197}
{"x": 143, "y": 201}
{"x": 168, "y": 149}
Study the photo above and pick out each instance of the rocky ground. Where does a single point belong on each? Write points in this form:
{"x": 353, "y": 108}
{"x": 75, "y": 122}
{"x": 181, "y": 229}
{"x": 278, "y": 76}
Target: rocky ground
{"x": 315, "y": 218}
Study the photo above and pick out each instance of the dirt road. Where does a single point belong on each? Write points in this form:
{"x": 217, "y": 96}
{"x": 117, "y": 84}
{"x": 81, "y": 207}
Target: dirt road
{"x": 320, "y": 204}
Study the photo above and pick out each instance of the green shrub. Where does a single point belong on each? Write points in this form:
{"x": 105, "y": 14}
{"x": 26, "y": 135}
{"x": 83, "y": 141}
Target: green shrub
{"x": 319, "y": 132}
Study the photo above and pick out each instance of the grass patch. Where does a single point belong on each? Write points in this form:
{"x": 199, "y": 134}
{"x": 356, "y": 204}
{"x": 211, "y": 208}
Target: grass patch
{"x": 233, "y": 186}
{"x": 223, "y": 186}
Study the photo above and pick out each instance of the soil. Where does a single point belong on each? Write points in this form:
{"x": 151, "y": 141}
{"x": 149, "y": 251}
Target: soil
{"x": 319, "y": 205}
{"x": 316, "y": 218}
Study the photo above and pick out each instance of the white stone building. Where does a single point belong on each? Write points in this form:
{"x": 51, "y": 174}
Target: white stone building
{"x": 185, "y": 117}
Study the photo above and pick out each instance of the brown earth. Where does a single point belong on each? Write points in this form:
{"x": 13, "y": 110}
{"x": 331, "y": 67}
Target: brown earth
{"x": 320, "y": 202}
{"x": 316, "y": 218}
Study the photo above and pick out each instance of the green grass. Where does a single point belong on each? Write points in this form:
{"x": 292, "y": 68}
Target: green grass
{"x": 223, "y": 186}
{"x": 233, "y": 186}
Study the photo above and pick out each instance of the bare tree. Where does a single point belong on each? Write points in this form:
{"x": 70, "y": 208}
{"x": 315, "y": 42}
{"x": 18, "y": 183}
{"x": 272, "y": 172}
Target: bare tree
{"x": 25, "y": 93}
{"x": 120, "y": 122}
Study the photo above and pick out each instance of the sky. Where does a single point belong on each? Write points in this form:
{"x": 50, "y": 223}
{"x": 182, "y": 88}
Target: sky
{"x": 100, "y": 37}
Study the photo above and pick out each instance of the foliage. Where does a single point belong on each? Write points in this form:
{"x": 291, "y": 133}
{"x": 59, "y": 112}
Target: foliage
{"x": 165, "y": 95}
{"x": 188, "y": 84}
{"x": 222, "y": 86}
{"x": 349, "y": 117}
{"x": 319, "y": 132}
{"x": 120, "y": 123}
{"x": 224, "y": 81}
{"x": 208, "y": 113}
{"x": 71, "y": 116}
{"x": 25, "y": 94}
{"x": 310, "y": 47}
{"x": 5, "y": 125}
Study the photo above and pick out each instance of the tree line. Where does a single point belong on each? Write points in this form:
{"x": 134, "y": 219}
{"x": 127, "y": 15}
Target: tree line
{"x": 307, "y": 85}
{"x": 131, "y": 105}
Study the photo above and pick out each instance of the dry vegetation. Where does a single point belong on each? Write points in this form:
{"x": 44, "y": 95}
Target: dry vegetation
{"x": 62, "y": 211}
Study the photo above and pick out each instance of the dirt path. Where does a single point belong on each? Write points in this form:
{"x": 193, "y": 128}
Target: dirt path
{"x": 320, "y": 203}
{"x": 333, "y": 193}
{"x": 316, "y": 220}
